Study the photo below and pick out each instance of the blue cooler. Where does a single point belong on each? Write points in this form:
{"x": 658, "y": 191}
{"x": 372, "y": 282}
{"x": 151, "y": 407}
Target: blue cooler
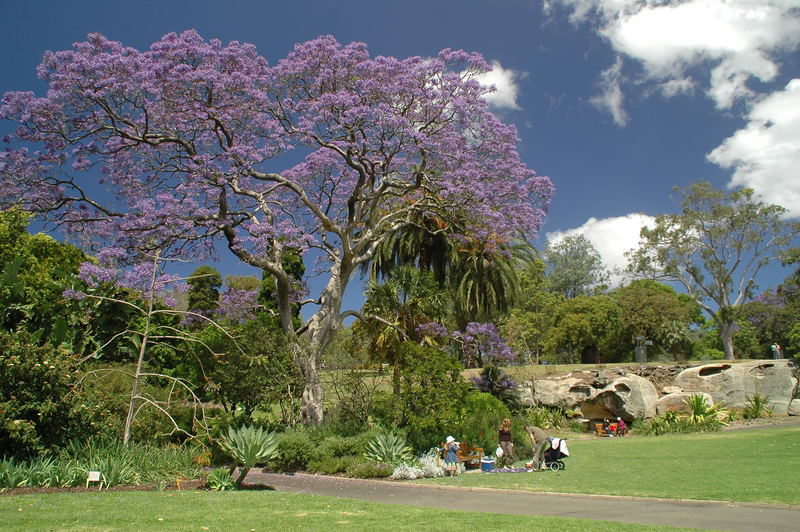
{"x": 487, "y": 464}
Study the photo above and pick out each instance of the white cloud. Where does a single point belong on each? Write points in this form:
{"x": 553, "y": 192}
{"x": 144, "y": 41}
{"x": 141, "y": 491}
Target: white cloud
{"x": 504, "y": 81}
{"x": 737, "y": 39}
{"x": 611, "y": 98}
{"x": 611, "y": 237}
{"x": 765, "y": 154}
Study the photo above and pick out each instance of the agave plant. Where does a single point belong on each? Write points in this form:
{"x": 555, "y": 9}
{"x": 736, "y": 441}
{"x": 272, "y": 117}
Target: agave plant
{"x": 248, "y": 445}
{"x": 220, "y": 480}
{"x": 389, "y": 449}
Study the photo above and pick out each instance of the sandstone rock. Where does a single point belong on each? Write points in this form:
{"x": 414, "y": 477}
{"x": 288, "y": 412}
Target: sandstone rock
{"x": 736, "y": 383}
{"x": 674, "y": 402}
{"x": 629, "y": 397}
{"x": 671, "y": 389}
{"x": 594, "y": 395}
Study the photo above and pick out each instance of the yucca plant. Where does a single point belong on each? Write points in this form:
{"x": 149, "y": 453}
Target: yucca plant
{"x": 701, "y": 412}
{"x": 248, "y": 445}
{"x": 757, "y": 407}
{"x": 389, "y": 449}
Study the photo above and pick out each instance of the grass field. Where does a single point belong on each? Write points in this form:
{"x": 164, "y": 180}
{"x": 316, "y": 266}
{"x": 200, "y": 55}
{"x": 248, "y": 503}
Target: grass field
{"x": 256, "y": 510}
{"x": 744, "y": 466}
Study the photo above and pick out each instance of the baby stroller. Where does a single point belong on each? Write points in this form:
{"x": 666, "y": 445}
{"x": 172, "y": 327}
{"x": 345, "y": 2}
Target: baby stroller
{"x": 554, "y": 456}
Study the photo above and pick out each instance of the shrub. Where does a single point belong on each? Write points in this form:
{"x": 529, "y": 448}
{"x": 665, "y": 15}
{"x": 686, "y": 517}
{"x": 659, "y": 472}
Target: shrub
{"x": 338, "y": 446}
{"x": 388, "y": 449}
{"x": 41, "y": 407}
{"x": 220, "y": 480}
{"x": 329, "y": 465}
{"x": 407, "y": 472}
{"x": 295, "y": 450}
{"x": 431, "y": 390}
{"x": 363, "y": 468}
{"x": 118, "y": 465}
{"x": 496, "y": 382}
{"x": 481, "y": 414}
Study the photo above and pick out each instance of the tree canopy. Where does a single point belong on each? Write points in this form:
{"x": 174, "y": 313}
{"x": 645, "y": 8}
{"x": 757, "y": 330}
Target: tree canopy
{"x": 715, "y": 247}
{"x": 193, "y": 137}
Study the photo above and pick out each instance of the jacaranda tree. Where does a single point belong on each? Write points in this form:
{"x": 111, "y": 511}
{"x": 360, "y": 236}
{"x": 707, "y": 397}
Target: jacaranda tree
{"x": 200, "y": 141}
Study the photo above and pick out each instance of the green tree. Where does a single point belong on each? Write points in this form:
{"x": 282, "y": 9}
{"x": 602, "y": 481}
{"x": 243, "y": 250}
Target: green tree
{"x": 394, "y": 309}
{"x": 715, "y": 248}
{"x": 248, "y": 367}
{"x": 653, "y": 311}
{"x": 574, "y": 267}
{"x": 584, "y": 326}
{"x": 292, "y": 264}
{"x": 204, "y": 284}
{"x": 528, "y": 322}
{"x": 431, "y": 394}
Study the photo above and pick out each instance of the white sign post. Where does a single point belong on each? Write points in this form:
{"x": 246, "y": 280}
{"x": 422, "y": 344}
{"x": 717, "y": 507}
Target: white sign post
{"x": 94, "y": 476}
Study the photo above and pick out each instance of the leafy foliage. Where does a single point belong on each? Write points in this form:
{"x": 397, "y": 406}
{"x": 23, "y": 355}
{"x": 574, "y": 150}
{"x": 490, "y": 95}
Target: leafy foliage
{"x": 431, "y": 390}
{"x": 204, "y": 284}
{"x": 41, "y": 405}
{"x": 757, "y": 407}
{"x": 295, "y": 450}
{"x": 496, "y": 382}
{"x": 700, "y": 412}
{"x": 388, "y": 448}
{"x": 574, "y": 266}
{"x": 220, "y": 480}
{"x": 248, "y": 446}
{"x": 715, "y": 247}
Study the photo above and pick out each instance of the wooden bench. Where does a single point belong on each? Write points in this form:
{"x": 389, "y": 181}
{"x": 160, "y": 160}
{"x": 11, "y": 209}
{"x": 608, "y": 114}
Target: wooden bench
{"x": 469, "y": 456}
{"x": 600, "y": 431}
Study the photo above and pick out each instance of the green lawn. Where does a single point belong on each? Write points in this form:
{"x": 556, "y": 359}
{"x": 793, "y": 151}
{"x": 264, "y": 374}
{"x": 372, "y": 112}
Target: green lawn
{"x": 743, "y": 466}
{"x": 256, "y": 510}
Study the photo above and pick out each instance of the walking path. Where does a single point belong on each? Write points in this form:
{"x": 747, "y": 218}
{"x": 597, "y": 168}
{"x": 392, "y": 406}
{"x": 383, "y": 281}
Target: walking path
{"x": 682, "y": 513}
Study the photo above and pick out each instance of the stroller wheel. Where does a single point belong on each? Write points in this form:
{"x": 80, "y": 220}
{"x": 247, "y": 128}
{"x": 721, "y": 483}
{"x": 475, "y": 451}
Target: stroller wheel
{"x": 554, "y": 466}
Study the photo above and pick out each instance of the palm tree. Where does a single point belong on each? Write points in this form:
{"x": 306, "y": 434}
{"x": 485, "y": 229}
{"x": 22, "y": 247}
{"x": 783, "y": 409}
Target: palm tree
{"x": 481, "y": 282}
{"x": 395, "y": 309}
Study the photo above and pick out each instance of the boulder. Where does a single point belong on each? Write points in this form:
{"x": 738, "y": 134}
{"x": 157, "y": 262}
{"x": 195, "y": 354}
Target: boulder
{"x": 674, "y": 402}
{"x": 671, "y": 389}
{"x": 734, "y": 384}
{"x": 629, "y": 397}
{"x": 594, "y": 395}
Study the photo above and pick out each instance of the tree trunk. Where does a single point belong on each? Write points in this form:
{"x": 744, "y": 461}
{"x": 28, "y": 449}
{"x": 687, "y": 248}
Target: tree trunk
{"x": 726, "y": 336}
{"x": 322, "y": 328}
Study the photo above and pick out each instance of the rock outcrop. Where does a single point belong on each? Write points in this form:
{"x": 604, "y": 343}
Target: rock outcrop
{"x": 736, "y": 383}
{"x": 595, "y": 395}
{"x": 617, "y": 392}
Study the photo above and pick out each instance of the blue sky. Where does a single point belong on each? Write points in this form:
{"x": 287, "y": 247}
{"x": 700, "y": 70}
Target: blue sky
{"x": 617, "y": 100}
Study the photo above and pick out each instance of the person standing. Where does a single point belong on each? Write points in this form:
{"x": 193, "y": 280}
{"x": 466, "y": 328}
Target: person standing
{"x": 506, "y": 444}
{"x": 451, "y": 456}
{"x": 539, "y": 440}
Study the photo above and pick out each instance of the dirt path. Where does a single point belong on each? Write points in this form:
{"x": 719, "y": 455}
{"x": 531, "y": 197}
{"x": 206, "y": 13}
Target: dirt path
{"x": 682, "y": 513}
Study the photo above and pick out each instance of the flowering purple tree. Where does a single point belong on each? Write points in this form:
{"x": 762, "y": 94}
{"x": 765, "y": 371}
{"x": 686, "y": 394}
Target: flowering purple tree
{"x": 199, "y": 141}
